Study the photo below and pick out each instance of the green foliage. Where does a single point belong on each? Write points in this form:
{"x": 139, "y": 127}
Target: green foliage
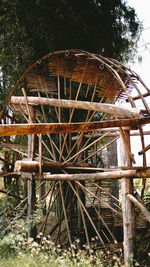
{"x": 13, "y": 47}
{"x": 147, "y": 197}
{"x": 30, "y": 29}
{"x": 3, "y": 215}
{"x": 15, "y": 249}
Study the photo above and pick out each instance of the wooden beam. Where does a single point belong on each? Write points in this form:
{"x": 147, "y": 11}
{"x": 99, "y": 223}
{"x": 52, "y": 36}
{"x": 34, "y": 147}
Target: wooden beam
{"x": 113, "y": 132}
{"x": 118, "y": 111}
{"x": 9, "y": 194}
{"x": 127, "y": 206}
{"x": 33, "y": 166}
{"x": 131, "y": 156}
{"x": 13, "y": 146}
{"x": 10, "y": 175}
{"x": 140, "y": 205}
{"x": 44, "y": 128}
{"x": 26, "y": 166}
{"x": 96, "y": 176}
{"x": 31, "y": 184}
{"x": 144, "y": 150}
{"x": 27, "y": 105}
{"x": 139, "y": 97}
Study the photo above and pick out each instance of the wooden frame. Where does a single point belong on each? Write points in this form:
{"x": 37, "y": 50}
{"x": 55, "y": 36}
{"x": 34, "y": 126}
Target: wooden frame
{"x": 68, "y": 92}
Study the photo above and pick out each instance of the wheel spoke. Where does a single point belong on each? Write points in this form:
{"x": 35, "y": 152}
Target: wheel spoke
{"x": 98, "y": 150}
{"x": 97, "y": 212}
{"x": 90, "y": 219}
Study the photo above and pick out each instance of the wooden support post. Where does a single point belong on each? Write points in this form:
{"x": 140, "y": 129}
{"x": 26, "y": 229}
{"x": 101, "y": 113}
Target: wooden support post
{"x": 31, "y": 187}
{"x": 42, "y": 187}
{"x": 31, "y": 190}
{"x": 144, "y": 150}
{"x": 127, "y": 206}
{"x": 140, "y": 205}
{"x": 112, "y": 162}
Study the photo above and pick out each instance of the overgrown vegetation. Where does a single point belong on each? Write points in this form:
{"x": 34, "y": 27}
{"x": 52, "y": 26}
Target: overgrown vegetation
{"x": 18, "y": 250}
{"x": 45, "y": 253}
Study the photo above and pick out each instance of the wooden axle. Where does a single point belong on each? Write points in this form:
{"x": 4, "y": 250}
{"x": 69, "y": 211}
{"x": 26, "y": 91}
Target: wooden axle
{"x": 44, "y": 128}
{"x": 117, "y": 111}
{"x": 33, "y": 166}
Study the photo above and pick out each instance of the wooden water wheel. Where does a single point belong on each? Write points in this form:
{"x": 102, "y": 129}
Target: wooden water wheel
{"x": 60, "y": 120}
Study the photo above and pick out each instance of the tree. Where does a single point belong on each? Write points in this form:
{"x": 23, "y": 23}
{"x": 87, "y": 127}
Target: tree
{"x": 32, "y": 28}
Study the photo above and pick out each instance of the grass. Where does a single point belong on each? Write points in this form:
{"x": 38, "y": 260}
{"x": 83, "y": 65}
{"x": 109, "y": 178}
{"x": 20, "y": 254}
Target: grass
{"x": 26, "y": 261}
{"x": 35, "y": 261}
{"x": 16, "y": 251}
{"x": 30, "y": 260}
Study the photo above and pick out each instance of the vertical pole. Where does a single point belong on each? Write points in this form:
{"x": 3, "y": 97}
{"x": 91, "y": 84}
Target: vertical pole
{"x": 31, "y": 190}
{"x": 113, "y": 162}
{"x": 81, "y": 194}
{"x": 31, "y": 186}
{"x": 127, "y": 206}
{"x": 42, "y": 187}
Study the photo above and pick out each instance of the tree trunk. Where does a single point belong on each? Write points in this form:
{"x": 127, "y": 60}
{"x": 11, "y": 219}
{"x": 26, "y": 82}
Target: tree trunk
{"x": 107, "y": 27}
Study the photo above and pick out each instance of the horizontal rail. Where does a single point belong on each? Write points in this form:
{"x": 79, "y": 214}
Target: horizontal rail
{"x": 97, "y": 176}
{"x": 117, "y": 111}
{"x": 44, "y": 128}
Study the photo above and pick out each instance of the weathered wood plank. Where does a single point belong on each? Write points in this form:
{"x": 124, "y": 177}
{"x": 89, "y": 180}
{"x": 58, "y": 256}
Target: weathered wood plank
{"x": 118, "y": 111}
{"x": 43, "y": 128}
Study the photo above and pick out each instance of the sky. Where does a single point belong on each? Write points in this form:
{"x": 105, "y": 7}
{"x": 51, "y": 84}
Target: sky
{"x": 142, "y": 8}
